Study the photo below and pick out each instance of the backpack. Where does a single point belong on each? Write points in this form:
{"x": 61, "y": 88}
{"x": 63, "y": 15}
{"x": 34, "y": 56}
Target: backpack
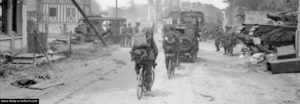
{"x": 139, "y": 54}
{"x": 140, "y": 41}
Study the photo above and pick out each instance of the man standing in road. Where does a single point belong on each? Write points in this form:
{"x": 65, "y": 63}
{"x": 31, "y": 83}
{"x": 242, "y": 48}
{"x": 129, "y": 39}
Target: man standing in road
{"x": 136, "y": 28}
{"x": 129, "y": 34}
{"x": 218, "y": 35}
{"x": 232, "y": 41}
{"x": 123, "y": 35}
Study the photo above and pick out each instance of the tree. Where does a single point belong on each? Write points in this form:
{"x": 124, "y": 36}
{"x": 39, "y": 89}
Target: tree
{"x": 95, "y": 8}
{"x": 280, "y": 5}
{"x": 265, "y": 5}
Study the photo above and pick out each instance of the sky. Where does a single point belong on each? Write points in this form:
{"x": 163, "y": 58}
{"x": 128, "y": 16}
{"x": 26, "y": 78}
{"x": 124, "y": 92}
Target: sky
{"x": 107, "y": 3}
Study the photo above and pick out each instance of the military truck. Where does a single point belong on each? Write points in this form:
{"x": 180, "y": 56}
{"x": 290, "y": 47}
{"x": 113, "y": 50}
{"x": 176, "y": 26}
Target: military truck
{"x": 83, "y": 31}
{"x": 188, "y": 26}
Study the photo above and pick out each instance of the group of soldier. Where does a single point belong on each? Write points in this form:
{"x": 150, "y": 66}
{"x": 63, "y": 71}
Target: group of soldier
{"x": 127, "y": 32}
{"x": 226, "y": 39}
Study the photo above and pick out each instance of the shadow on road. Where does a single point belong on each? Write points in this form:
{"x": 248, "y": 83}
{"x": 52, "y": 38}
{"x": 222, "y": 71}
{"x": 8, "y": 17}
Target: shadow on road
{"x": 159, "y": 93}
{"x": 179, "y": 76}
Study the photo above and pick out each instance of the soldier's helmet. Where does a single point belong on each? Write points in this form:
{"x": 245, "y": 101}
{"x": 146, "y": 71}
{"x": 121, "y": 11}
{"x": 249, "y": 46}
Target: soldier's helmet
{"x": 170, "y": 38}
{"x": 147, "y": 31}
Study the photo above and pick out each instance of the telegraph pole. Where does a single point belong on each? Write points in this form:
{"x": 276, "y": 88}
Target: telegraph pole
{"x": 157, "y": 2}
{"x": 298, "y": 33}
{"x": 116, "y": 8}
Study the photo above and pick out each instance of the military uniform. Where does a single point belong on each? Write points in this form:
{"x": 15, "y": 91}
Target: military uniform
{"x": 148, "y": 61}
{"x": 229, "y": 41}
{"x": 129, "y": 35}
{"x": 218, "y": 36}
{"x": 171, "y": 47}
{"x": 136, "y": 30}
{"x": 123, "y": 35}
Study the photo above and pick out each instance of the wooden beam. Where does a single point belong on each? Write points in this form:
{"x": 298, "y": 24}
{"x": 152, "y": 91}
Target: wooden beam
{"x": 89, "y": 22}
{"x": 297, "y": 38}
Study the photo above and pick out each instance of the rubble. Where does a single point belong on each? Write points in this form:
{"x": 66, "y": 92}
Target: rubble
{"x": 257, "y": 58}
{"x": 23, "y": 83}
{"x": 265, "y": 38}
{"x": 6, "y": 69}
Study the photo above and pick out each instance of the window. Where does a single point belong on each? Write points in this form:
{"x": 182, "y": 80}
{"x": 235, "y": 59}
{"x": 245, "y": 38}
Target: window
{"x": 52, "y": 12}
{"x": 1, "y": 16}
{"x": 189, "y": 20}
{"x": 71, "y": 12}
{"x": 15, "y": 18}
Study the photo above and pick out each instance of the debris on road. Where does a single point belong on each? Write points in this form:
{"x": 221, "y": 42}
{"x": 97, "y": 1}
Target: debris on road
{"x": 211, "y": 98}
{"x": 45, "y": 85}
{"x": 120, "y": 62}
{"x": 6, "y": 69}
{"x": 24, "y": 83}
{"x": 257, "y": 58}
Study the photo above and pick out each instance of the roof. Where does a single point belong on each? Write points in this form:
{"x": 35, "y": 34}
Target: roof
{"x": 106, "y": 18}
{"x": 178, "y": 14}
{"x": 174, "y": 14}
{"x": 192, "y": 12}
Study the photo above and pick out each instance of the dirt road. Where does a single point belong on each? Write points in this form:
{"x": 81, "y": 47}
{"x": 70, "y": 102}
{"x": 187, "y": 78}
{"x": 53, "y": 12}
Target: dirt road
{"x": 213, "y": 79}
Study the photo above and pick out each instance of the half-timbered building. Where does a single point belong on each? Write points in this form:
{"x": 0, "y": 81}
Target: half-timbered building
{"x": 57, "y": 15}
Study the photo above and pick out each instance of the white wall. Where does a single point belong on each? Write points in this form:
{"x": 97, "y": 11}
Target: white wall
{"x": 24, "y": 20}
{"x": 56, "y": 29}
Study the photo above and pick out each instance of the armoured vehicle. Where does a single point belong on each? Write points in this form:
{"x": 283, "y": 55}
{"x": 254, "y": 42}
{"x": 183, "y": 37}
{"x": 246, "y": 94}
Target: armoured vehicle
{"x": 188, "y": 26}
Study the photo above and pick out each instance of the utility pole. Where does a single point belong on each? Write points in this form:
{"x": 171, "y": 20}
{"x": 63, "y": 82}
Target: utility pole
{"x": 233, "y": 13}
{"x": 9, "y": 20}
{"x": 116, "y": 8}
{"x": 157, "y": 2}
{"x": 134, "y": 10}
{"x": 298, "y": 33}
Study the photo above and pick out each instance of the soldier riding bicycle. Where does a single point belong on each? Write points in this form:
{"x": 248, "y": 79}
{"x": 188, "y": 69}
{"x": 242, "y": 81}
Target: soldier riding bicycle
{"x": 144, "y": 53}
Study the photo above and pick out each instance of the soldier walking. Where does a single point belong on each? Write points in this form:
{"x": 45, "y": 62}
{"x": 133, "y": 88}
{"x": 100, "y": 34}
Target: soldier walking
{"x": 129, "y": 31}
{"x": 232, "y": 42}
{"x": 123, "y": 35}
{"x": 228, "y": 42}
{"x": 218, "y": 36}
{"x": 136, "y": 28}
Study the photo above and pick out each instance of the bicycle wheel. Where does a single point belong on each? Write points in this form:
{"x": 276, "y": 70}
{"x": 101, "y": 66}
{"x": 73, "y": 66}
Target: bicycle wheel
{"x": 152, "y": 77}
{"x": 170, "y": 69}
{"x": 140, "y": 92}
{"x": 140, "y": 89}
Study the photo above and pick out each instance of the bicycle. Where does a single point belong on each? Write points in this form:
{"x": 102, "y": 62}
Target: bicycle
{"x": 143, "y": 86}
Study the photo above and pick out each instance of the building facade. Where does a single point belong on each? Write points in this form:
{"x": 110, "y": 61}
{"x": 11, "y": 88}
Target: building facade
{"x": 57, "y": 16}
{"x": 13, "y": 25}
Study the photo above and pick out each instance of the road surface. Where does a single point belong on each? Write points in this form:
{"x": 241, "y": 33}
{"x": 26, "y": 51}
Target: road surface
{"x": 213, "y": 79}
